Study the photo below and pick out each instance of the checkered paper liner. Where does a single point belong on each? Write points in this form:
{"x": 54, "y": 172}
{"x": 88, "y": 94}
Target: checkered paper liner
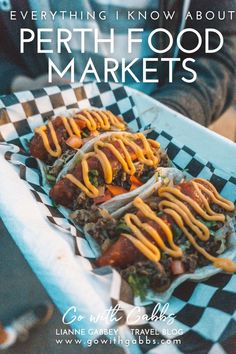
{"x": 206, "y": 311}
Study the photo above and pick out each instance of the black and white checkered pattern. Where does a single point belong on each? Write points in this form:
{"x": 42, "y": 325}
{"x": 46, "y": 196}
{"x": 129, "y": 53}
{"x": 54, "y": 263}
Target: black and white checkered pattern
{"x": 206, "y": 311}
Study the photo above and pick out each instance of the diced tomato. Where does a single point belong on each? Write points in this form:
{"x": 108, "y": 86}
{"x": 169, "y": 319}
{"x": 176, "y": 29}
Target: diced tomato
{"x": 136, "y": 180}
{"x": 116, "y": 190}
{"x": 74, "y": 142}
{"x": 177, "y": 267}
{"x": 81, "y": 123}
{"x": 133, "y": 187}
{"x": 102, "y": 198}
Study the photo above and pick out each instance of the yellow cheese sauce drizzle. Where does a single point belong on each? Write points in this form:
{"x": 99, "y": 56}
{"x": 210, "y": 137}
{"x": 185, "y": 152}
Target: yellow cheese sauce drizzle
{"x": 150, "y": 250}
{"x": 145, "y": 155}
{"x": 174, "y": 204}
{"x": 94, "y": 120}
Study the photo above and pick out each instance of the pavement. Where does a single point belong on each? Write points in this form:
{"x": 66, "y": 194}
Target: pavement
{"x": 19, "y": 291}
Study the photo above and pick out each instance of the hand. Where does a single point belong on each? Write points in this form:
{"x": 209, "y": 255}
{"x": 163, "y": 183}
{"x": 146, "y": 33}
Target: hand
{"x": 21, "y": 83}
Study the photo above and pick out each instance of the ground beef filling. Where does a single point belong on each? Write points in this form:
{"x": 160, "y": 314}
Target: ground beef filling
{"x": 161, "y": 276}
{"x": 144, "y": 274}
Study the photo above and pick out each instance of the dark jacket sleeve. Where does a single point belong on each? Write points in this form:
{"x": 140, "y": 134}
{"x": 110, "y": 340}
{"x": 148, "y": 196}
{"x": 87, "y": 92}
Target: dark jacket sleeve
{"x": 8, "y": 71}
{"x": 11, "y": 64}
{"x": 215, "y": 87}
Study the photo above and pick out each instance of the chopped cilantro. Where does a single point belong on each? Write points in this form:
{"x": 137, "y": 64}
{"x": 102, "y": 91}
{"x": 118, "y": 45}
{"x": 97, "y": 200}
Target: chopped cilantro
{"x": 51, "y": 179}
{"x": 84, "y": 134}
{"x": 121, "y": 227}
{"x": 93, "y": 177}
{"x": 209, "y": 224}
{"x": 185, "y": 246}
{"x": 176, "y": 231}
{"x": 139, "y": 285}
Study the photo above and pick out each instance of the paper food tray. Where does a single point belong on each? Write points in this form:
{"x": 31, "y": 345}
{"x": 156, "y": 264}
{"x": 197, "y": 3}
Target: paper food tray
{"x": 51, "y": 244}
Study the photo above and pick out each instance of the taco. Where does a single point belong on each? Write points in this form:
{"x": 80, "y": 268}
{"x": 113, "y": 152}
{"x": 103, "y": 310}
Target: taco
{"x": 60, "y": 138}
{"x": 166, "y": 234}
{"x": 109, "y": 173}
